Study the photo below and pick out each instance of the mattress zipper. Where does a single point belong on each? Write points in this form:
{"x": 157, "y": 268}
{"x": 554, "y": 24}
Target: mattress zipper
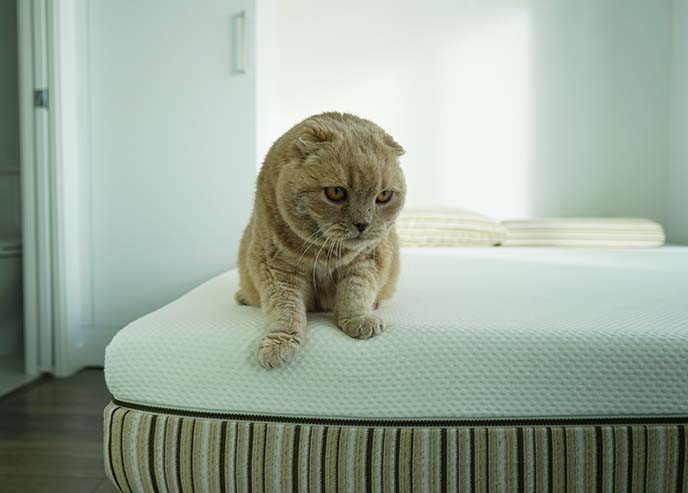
{"x": 416, "y": 423}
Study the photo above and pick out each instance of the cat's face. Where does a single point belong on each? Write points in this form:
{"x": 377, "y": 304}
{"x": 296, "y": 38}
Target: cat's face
{"x": 343, "y": 190}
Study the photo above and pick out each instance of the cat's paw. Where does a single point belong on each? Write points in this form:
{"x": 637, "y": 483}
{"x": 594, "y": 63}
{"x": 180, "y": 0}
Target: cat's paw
{"x": 277, "y": 349}
{"x": 240, "y": 298}
{"x": 362, "y": 326}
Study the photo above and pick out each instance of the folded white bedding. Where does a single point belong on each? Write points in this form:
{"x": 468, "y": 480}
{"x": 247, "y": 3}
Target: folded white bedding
{"x": 447, "y": 227}
{"x": 584, "y": 232}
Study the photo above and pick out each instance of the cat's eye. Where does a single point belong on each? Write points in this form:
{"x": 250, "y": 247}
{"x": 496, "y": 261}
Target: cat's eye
{"x": 383, "y": 197}
{"x": 335, "y": 194}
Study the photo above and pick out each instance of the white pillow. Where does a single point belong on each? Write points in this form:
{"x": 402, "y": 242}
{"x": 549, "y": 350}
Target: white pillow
{"x": 584, "y": 232}
{"x": 435, "y": 227}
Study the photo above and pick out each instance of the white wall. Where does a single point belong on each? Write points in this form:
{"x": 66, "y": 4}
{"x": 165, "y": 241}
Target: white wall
{"x": 678, "y": 178}
{"x": 164, "y": 162}
{"x": 509, "y": 107}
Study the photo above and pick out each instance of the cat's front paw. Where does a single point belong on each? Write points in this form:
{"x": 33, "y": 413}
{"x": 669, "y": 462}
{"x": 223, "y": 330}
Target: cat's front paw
{"x": 361, "y": 326}
{"x": 277, "y": 349}
{"x": 241, "y": 298}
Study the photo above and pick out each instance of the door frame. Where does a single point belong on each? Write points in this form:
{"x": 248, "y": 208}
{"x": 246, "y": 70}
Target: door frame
{"x": 43, "y": 235}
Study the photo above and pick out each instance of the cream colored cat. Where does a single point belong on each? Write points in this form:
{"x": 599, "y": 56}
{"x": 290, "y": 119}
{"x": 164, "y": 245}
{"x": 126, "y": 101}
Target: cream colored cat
{"x": 321, "y": 236}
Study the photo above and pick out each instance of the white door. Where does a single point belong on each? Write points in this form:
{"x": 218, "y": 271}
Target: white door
{"x": 171, "y": 154}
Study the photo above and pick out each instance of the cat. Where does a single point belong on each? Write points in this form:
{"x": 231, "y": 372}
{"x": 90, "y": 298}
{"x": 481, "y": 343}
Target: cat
{"x": 321, "y": 236}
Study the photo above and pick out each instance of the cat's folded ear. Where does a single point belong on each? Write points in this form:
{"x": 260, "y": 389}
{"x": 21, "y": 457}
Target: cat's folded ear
{"x": 393, "y": 144}
{"x": 311, "y": 139}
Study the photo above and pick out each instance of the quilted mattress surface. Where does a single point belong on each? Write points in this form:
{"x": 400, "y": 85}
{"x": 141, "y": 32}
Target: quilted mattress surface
{"x": 472, "y": 333}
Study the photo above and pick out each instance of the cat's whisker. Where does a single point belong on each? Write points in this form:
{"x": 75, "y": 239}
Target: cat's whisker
{"x": 327, "y": 255}
{"x": 315, "y": 266}
{"x": 330, "y": 252}
{"x": 317, "y": 231}
{"x": 304, "y": 251}
{"x": 336, "y": 252}
{"x": 308, "y": 242}
{"x": 341, "y": 250}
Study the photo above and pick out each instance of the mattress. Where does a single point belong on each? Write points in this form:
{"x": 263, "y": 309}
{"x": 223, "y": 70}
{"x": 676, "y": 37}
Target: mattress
{"x": 521, "y": 369}
{"x": 472, "y": 333}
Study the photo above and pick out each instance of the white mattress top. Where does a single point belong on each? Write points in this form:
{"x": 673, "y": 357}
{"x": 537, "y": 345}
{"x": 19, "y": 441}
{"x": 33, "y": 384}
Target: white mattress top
{"x": 471, "y": 333}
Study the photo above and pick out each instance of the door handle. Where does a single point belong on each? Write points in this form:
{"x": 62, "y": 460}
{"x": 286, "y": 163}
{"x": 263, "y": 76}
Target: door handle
{"x": 239, "y": 43}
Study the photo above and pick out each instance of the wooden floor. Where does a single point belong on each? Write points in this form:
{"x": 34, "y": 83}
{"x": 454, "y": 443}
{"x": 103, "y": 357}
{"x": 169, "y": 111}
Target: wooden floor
{"x": 51, "y": 436}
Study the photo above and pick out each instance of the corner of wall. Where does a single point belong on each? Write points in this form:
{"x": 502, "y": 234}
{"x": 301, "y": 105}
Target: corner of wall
{"x": 677, "y": 197}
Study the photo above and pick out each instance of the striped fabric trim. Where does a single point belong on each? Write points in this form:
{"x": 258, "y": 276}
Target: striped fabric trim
{"x": 151, "y": 452}
{"x": 447, "y": 227}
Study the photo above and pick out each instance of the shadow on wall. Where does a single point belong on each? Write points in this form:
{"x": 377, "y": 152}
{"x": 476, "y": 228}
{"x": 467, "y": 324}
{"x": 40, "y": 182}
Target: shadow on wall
{"x": 510, "y": 107}
{"x": 600, "y": 111}
{"x": 678, "y": 178}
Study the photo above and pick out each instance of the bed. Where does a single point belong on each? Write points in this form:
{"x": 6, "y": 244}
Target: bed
{"x": 511, "y": 369}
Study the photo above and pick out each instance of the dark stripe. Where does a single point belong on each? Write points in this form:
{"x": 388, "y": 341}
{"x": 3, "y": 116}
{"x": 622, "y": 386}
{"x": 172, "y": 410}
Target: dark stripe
{"x": 397, "y": 469}
{"x": 223, "y": 457}
{"x": 235, "y": 459}
{"x": 307, "y": 458}
{"x": 629, "y": 442}
{"x": 112, "y": 466}
{"x": 599, "y": 459}
{"x": 444, "y": 457}
{"x": 336, "y": 465}
{"x": 323, "y": 462}
{"x": 410, "y": 463}
{"x": 521, "y": 472}
{"x": 472, "y": 459}
{"x": 550, "y": 461}
{"x": 369, "y": 460}
{"x": 487, "y": 458}
{"x": 533, "y": 465}
{"x": 613, "y": 459}
{"x": 151, "y": 453}
{"x": 191, "y": 458}
{"x": 458, "y": 460}
{"x": 681, "y": 458}
{"x": 294, "y": 460}
{"x": 235, "y": 480}
{"x": 250, "y": 457}
{"x": 265, "y": 448}
{"x": 121, "y": 451}
{"x": 566, "y": 461}
{"x": 178, "y": 454}
{"x": 647, "y": 455}
{"x": 401, "y": 423}
{"x": 382, "y": 461}
{"x": 164, "y": 453}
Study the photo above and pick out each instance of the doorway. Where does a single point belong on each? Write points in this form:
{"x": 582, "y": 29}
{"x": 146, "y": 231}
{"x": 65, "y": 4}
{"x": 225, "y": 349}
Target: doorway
{"x": 12, "y": 368}
{"x": 26, "y": 187}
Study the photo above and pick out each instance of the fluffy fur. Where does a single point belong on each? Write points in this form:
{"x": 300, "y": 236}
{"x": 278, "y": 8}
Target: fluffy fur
{"x": 302, "y": 251}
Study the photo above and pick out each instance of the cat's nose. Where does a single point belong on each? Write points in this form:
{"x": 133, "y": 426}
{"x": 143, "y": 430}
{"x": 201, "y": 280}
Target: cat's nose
{"x": 361, "y": 227}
